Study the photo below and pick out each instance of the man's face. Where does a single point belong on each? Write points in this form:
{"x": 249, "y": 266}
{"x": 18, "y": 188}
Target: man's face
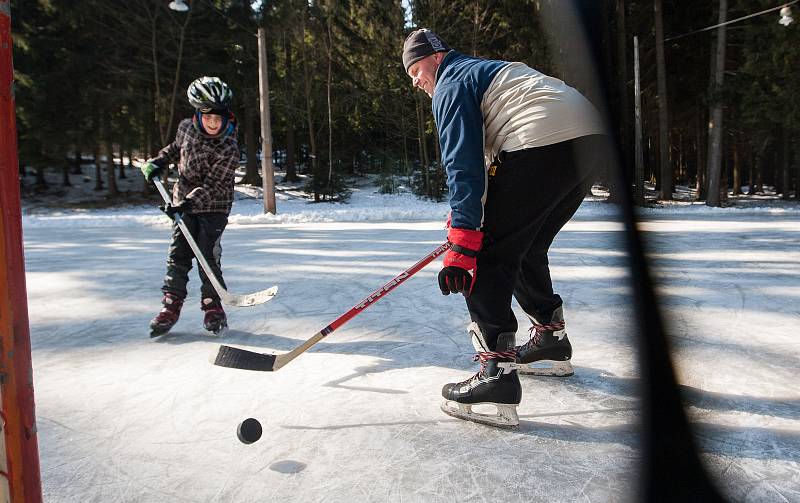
{"x": 423, "y": 72}
{"x": 211, "y": 123}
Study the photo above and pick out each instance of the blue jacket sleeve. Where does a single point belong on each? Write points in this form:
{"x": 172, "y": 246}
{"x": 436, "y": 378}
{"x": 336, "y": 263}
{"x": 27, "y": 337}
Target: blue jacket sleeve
{"x": 459, "y": 120}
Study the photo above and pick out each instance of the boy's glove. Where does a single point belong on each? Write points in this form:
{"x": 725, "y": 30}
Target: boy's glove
{"x": 459, "y": 260}
{"x": 182, "y": 207}
{"x": 151, "y": 170}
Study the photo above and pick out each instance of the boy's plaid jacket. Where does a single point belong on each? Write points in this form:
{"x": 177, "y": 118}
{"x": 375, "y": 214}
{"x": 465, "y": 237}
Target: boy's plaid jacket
{"x": 206, "y": 168}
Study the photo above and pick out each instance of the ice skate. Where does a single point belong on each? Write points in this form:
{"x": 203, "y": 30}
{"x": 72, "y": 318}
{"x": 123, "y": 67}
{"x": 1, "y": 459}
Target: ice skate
{"x": 215, "y": 321}
{"x": 548, "y": 351}
{"x": 495, "y": 387}
{"x": 168, "y": 316}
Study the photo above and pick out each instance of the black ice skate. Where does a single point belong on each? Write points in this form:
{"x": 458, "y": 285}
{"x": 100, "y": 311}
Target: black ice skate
{"x": 168, "y": 316}
{"x": 214, "y": 320}
{"x": 496, "y": 385}
{"x": 548, "y": 351}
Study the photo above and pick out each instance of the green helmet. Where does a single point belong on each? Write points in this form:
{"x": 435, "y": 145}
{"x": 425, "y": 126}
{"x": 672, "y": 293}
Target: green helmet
{"x": 208, "y": 94}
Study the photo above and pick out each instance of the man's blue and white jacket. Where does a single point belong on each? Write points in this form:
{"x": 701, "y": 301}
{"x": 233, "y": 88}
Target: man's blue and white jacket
{"x": 483, "y": 107}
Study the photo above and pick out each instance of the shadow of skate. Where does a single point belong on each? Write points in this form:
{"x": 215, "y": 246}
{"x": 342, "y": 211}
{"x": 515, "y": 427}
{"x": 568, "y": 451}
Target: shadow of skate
{"x": 363, "y": 372}
{"x": 183, "y": 337}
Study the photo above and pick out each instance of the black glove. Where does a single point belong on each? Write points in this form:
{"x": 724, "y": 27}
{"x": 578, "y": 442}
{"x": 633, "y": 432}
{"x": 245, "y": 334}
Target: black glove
{"x": 182, "y": 207}
{"x": 454, "y": 279}
{"x": 459, "y": 260}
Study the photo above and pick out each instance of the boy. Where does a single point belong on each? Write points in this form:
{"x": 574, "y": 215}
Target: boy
{"x": 207, "y": 155}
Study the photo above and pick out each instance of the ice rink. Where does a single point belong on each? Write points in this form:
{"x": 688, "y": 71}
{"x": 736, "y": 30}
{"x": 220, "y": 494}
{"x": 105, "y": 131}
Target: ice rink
{"x": 125, "y": 418}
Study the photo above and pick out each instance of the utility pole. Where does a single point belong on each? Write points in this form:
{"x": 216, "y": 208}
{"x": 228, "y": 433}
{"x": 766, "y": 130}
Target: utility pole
{"x": 267, "y": 170}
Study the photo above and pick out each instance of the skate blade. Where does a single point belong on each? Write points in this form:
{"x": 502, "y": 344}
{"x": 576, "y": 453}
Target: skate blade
{"x": 217, "y": 333}
{"x": 546, "y": 368}
{"x": 506, "y": 416}
{"x": 220, "y": 332}
{"x": 158, "y": 332}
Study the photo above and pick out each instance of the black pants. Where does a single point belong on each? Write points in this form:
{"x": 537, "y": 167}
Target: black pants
{"x": 532, "y": 194}
{"x": 206, "y": 229}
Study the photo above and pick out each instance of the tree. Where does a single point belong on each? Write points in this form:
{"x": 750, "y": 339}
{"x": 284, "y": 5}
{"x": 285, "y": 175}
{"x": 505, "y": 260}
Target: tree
{"x": 665, "y": 171}
{"x": 715, "y": 124}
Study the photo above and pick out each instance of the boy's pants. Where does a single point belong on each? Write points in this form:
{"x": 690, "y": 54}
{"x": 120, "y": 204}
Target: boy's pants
{"x": 206, "y": 229}
{"x": 532, "y": 194}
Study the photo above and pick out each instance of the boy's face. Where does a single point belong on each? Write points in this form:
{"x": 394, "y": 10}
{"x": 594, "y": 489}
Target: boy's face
{"x": 211, "y": 123}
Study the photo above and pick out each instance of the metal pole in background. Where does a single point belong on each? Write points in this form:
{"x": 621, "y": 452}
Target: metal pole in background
{"x": 267, "y": 173}
{"x": 20, "y": 474}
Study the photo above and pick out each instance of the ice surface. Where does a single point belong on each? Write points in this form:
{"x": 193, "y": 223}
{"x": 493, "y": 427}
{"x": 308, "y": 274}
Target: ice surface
{"x": 123, "y": 418}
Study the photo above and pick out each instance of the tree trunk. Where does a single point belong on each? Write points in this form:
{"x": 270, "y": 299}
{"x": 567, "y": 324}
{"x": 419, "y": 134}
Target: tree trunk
{"x": 665, "y": 177}
{"x": 760, "y": 167}
{"x": 737, "y": 170}
{"x": 638, "y": 180}
{"x": 122, "y": 161}
{"x": 98, "y": 167}
{"x": 291, "y": 172}
{"x": 309, "y": 117}
{"x": 785, "y": 171}
{"x": 65, "y": 169}
{"x": 624, "y": 106}
{"x": 41, "y": 181}
{"x": 330, "y": 112}
{"x": 76, "y": 165}
{"x": 423, "y": 148}
{"x": 715, "y": 122}
{"x": 796, "y": 172}
{"x": 251, "y": 175}
{"x": 111, "y": 169}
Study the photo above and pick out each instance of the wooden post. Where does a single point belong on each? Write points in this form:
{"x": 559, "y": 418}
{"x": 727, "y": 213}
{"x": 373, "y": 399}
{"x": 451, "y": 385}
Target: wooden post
{"x": 267, "y": 172}
{"x": 20, "y": 480}
{"x": 637, "y": 96}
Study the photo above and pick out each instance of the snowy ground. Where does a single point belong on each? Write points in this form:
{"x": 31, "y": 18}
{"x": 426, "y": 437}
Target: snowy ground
{"x": 123, "y": 418}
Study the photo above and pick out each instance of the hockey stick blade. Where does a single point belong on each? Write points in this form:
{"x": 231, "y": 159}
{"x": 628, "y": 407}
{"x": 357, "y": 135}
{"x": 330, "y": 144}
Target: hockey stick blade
{"x": 237, "y": 358}
{"x": 250, "y": 299}
{"x": 228, "y": 298}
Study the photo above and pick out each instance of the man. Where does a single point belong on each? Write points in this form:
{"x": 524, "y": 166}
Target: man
{"x": 518, "y": 147}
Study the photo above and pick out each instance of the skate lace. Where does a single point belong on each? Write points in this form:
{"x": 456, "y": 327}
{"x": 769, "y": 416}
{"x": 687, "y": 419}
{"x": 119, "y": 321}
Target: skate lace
{"x": 538, "y": 329}
{"x": 485, "y": 356}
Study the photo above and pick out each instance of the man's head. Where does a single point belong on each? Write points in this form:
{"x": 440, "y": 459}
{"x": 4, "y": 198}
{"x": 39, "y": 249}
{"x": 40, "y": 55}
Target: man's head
{"x": 423, "y": 51}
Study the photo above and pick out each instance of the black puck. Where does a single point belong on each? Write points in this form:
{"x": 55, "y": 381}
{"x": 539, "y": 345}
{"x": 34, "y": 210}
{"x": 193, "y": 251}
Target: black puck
{"x": 249, "y": 430}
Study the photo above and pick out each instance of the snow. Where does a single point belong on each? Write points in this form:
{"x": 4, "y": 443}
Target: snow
{"x": 124, "y": 418}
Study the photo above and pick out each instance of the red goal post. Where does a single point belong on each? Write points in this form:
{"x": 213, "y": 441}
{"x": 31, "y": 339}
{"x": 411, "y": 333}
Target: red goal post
{"x": 19, "y": 478}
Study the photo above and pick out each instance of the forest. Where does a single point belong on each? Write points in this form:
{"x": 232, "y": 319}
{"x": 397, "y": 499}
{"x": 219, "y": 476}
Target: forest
{"x": 717, "y": 106}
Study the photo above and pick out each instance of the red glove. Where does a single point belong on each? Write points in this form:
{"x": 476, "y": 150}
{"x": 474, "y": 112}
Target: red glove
{"x": 459, "y": 261}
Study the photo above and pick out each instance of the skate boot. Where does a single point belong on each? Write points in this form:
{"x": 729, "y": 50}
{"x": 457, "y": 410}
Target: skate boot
{"x": 214, "y": 320}
{"x": 548, "y": 351}
{"x": 495, "y": 387}
{"x": 168, "y": 316}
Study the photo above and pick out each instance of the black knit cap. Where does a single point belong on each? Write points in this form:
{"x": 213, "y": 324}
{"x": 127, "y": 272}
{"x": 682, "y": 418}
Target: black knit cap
{"x": 421, "y": 44}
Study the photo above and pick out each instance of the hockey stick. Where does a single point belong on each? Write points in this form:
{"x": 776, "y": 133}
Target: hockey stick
{"x": 228, "y": 298}
{"x": 238, "y": 358}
